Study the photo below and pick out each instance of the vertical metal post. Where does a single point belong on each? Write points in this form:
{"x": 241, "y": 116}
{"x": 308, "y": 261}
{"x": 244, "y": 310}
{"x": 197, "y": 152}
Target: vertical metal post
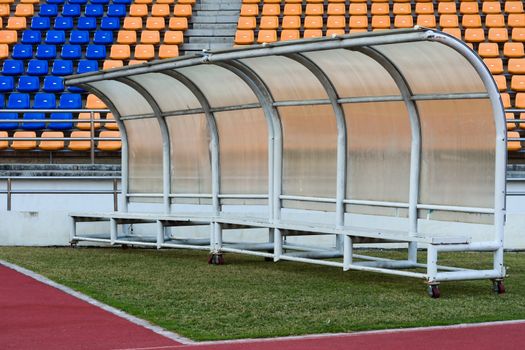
{"x": 278, "y": 245}
{"x": 115, "y": 195}
{"x": 92, "y": 133}
{"x": 160, "y": 233}
{"x": 348, "y": 251}
{"x": 432, "y": 259}
{"x": 72, "y": 229}
{"x": 8, "y": 194}
{"x": 113, "y": 230}
{"x": 415, "y": 149}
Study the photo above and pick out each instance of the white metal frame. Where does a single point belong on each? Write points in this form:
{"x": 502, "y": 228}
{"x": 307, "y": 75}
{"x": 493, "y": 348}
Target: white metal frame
{"x": 276, "y": 247}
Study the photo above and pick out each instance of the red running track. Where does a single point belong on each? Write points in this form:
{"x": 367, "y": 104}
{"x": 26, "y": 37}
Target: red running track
{"x": 34, "y": 315}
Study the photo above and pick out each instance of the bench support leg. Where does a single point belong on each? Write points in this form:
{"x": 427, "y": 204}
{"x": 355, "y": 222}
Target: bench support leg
{"x": 348, "y": 251}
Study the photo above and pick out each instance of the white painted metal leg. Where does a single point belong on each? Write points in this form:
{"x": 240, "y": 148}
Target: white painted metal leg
{"x": 412, "y": 252}
{"x": 72, "y": 229}
{"x": 160, "y": 233}
{"x": 212, "y": 238}
{"x": 278, "y": 244}
{"x": 113, "y": 234}
{"x": 218, "y": 237}
{"x": 431, "y": 263}
{"x": 348, "y": 251}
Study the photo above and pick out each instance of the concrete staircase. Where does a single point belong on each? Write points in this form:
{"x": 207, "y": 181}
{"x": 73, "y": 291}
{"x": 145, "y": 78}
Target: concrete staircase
{"x": 212, "y": 26}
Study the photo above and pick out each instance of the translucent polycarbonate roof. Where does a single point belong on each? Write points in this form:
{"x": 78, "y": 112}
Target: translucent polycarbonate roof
{"x": 409, "y": 119}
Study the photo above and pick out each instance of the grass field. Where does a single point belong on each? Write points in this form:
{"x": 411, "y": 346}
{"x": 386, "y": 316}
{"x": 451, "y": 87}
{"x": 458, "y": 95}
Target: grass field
{"x": 249, "y": 297}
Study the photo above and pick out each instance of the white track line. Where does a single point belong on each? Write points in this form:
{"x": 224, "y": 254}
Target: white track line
{"x": 110, "y": 309}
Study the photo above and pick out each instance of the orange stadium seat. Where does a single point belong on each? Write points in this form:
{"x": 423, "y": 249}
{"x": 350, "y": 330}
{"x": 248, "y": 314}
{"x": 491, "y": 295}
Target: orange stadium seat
{"x": 132, "y": 23}
{"x": 290, "y": 34}
{"x": 160, "y": 10}
{"x": 150, "y": 37}
{"x": 334, "y": 32}
{"x": 93, "y": 102}
{"x": 520, "y": 100}
{"x": 16, "y": 23}
{"x": 24, "y": 144}
{"x": 292, "y": 9}
{"x": 474, "y": 35}
{"x": 110, "y": 126}
{"x": 24, "y": 10}
{"x": 518, "y": 34}
{"x": 3, "y": 143}
{"x": 4, "y": 51}
{"x": 517, "y": 83}
{"x": 138, "y": 10}
{"x": 403, "y": 21}
{"x": 8, "y": 36}
{"x": 126, "y": 37}
{"x": 398, "y": 9}
{"x": 447, "y": 8}
{"x": 173, "y": 37}
{"x": 494, "y": 20}
{"x": 84, "y": 121}
{"x": 336, "y": 22}
{"x": 514, "y": 6}
{"x": 313, "y": 22}
{"x": 314, "y": 9}
{"x": 246, "y": 23}
{"x": 291, "y": 22}
{"x": 488, "y": 50}
{"x": 358, "y": 22}
{"x": 249, "y": 10}
{"x": 312, "y": 33}
{"x": 505, "y": 98}
{"x": 269, "y": 22}
{"x": 182, "y": 10}
{"x": 471, "y": 21}
{"x": 448, "y": 21}
{"x": 516, "y": 66}
{"x": 79, "y": 145}
{"x": 109, "y": 64}
{"x": 469, "y": 7}
{"x": 491, "y": 7}
{"x": 428, "y": 21}
{"x": 144, "y": 52}
{"x": 178, "y": 23}
{"x": 513, "y": 50}
{"x": 495, "y": 65}
{"x": 455, "y": 32}
{"x": 168, "y": 51}
{"x": 501, "y": 82}
{"x": 380, "y": 22}
{"x": 5, "y": 10}
{"x": 271, "y": 10}
{"x": 422, "y": 8}
{"x": 109, "y": 145}
{"x": 513, "y": 146}
{"x": 498, "y": 35}
{"x": 357, "y": 9}
{"x": 155, "y": 23}
{"x": 120, "y": 52}
{"x": 266, "y": 36}
{"x": 52, "y": 145}
{"x": 336, "y": 9}
{"x": 244, "y": 37}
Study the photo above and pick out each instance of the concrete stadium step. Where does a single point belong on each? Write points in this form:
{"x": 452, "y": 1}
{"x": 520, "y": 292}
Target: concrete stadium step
{"x": 212, "y": 26}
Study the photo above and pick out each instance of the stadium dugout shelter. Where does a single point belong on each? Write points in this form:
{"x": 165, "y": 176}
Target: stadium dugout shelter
{"x": 364, "y": 137}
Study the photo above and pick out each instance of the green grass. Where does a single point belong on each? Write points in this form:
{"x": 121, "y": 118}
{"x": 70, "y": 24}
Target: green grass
{"x": 248, "y": 297}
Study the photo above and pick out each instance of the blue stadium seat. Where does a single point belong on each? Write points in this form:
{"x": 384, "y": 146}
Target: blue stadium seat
{"x": 48, "y": 10}
{"x": 13, "y": 67}
{"x": 46, "y": 52}
{"x": 40, "y": 23}
{"x": 96, "y": 52}
{"x": 14, "y": 101}
{"x": 80, "y": 2}
{"x": 71, "y": 10}
{"x": 87, "y": 66}
{"x": 125, "y": 2}
{"x": 57, "y": 2}
{"x": 94, "y": 10}
{"x": 62, "y": 67}
{"x": 63, "y": 23}
{"x": 55, "y": 37}
{"x": 28, "y": 84}
{"x": 102, "y": 2}
{"x": 116, "y": 10}
{"x": 71, "y": 52}
{"x": 80, "y": 37}
{"x": 53, "y": 84}
{"x": 110, "y": 23}
{"x": 6, "y": 85}
{"x": 22, "y": 52}
{"x": 42, "y": 101}
{"x": 103, "y": 37}
{"x": 37, "y": 67}
{"x": 31, "y": 37}
{"x": 67, "y": 101}
{"x": 87, "y": 23}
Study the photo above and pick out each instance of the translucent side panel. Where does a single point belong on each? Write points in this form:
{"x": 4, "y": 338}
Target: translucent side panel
{"x": 379, "y": 138}
{"x": 190, "y": 154}
{"x": 286, "y": 79}
{"x": 126, "y": 100}
{"x": 145, "y": 155}
{"x": 169, "y": 93}
{"x": 309, "y": 150}
{"x": 243, "y": 139}
{"x": 458, "y": 142}
{"x": 431, "y": 67}
{"x": 354, "y": 74}
{"x": 221, "y": 87}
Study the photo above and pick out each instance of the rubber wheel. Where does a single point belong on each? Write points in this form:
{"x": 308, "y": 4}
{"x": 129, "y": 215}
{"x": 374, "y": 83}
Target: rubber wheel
{"x": 216, "y": 259}
{"x": 433, "y": 291}
{"x": 498, "y": 287}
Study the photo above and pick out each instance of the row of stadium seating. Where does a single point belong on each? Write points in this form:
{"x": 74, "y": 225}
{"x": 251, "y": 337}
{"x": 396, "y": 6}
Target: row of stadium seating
{"x": 42, "y": 41}
{"x": 496, "y": 30}
{"x": 56, "y": 141}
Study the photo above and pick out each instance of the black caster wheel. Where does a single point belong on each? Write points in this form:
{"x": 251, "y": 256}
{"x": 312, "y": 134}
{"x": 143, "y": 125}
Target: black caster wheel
{"x": 433, "y": 291}
{"x": 498, "y": 287}
{"x": 216, "y": 259}
{"x": 73, "y": 244}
